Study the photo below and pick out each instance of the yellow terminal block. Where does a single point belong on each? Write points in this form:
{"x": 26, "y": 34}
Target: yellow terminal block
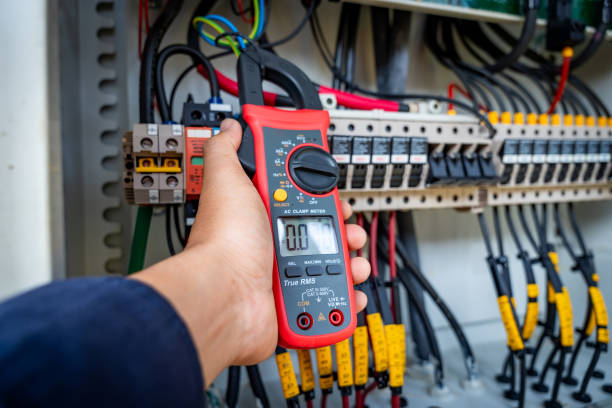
{"x": 506, "y": 118}
{"x": 543, "y": 119}
{"x": 568, "y": 120}
{"x": 149, "y": 165}
{"x": 602, "y": 121}
{"x": 532, "y": 119}
{"x": 494, "y": 117}
{"x": 590, "y": 121}
{"x": 519, "y": 118}
{"x": 579, "y": 120}
{"x": 555, "y": 119}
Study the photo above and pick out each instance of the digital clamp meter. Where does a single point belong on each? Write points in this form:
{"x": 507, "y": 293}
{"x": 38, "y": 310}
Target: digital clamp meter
{"x": 295, "y": 175}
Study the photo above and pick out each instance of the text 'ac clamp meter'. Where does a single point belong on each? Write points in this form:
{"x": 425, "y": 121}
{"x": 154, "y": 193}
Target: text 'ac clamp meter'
{"x": 295, "y": 175}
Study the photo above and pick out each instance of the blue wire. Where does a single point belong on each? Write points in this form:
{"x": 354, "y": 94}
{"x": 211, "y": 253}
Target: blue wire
{"x": 261, "y": 19}
{"x": 229, "y": 24}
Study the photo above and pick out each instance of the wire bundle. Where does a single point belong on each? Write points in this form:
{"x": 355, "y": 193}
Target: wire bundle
{"x": 225, "y": 39}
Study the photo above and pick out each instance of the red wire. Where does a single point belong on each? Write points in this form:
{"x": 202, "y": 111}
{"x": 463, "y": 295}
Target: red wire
{"x": 395, "y": 401}
{"x": 323, "y": 400}
{"x": 358, "y": 398}
{"x": 345, "y": 99}
{"x": 243, "y": 15}
{"x": 146, "y": 13}
{"x": 360, "y": 223}
{"x": 463, "y": 92}
{"x": 368, "y": 390}
{"x": 392, "y": 265}
{"x": 372, "y": 253}
{"x": 561, "y": 87}
{"x": 309, "y": 404}
{"x": 345, "y": 401}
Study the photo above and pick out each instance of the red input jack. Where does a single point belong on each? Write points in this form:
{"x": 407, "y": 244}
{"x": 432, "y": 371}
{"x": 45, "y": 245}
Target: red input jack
{"x": 304, "y": 321}
{"x": 336, "y": 317}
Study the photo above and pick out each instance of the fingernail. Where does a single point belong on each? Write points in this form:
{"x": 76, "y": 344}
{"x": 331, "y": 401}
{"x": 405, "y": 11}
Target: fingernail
{"x": 226, "y": 124}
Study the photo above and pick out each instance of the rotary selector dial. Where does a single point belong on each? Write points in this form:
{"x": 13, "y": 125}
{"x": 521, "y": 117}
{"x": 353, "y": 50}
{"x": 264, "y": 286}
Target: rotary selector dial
{"x": 313, "y": 170}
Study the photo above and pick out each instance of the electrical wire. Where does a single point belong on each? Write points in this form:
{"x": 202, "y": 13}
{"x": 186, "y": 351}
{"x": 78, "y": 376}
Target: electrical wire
{"x": 297, "y": 29}
{"x": 169, "y": 231}
{"x": 178, "y": 81}
{"x": 177, "y": 225}
{"x": 356, "y": 88}
{"x": 166, "y": 53}
{"x": 567, "y": 56}
{"x": 527, "y": 33}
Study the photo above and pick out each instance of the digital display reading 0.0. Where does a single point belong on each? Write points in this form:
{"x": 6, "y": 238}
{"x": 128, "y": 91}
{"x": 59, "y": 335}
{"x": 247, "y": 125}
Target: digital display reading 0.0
{"x": 306, "y": 236}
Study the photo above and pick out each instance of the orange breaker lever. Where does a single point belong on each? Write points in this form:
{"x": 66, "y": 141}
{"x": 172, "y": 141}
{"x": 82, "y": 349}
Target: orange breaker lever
{"x": 287, "y": 153}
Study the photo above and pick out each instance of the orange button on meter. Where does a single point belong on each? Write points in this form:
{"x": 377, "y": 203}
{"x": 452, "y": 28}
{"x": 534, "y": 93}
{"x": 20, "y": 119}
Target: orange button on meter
{"x": 280, "y": 194}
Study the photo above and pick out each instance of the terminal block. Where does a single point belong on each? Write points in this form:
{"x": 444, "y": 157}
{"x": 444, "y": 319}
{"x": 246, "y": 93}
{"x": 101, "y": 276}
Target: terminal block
{"x": 154, "y": 164}
{"x": 397, "y": 160}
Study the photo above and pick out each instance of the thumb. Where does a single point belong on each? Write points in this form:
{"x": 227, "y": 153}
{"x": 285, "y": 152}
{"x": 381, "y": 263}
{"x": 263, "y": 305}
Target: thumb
{"x": 221, "y": 162}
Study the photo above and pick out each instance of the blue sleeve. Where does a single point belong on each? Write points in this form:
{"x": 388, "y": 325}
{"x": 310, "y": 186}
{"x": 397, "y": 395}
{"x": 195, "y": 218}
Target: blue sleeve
{"x": 96, "y": 342}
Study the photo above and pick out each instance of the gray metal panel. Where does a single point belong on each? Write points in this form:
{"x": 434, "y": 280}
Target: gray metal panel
{"x": 93, "y": 104}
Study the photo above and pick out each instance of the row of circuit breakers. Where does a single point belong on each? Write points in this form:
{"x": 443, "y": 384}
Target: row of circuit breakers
{"x": 164, "y": 163}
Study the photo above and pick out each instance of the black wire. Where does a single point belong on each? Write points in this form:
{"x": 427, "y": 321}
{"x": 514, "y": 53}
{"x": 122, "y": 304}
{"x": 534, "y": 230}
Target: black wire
{"x": 178, "y": 81}
{"x": 562, "y": 234}
{"x": 177, "y": 225}
{"x": 482, "y": 94}
{"x": 233, "y": 386}
{"x": 355, "y": 87}
{"x": 257, "y": 385}
{"x": 146, "y": 83}
{"x": 169, "y": 51}
{"x": 169, "y": 231}
{"x": 527, "y": 33}
{"x": 576, "y": 228}
{"x": 297, "y": 29}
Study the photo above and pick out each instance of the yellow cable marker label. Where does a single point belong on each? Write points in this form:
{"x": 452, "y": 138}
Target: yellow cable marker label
{"x": 595, "y": 277}
{"x": 599, "y": 306}
{"x": 343, "y": 362}
{"x": 324, "y": 365}
{"x": 566, "y": 323}
{"x": 519, "y": 118}
{"x": 515, "y": 342}
{"x": 531, "y": 319}
{"x": 287, "y": 375}
{"x": 361, "y": 355}
{"x": 579, "y": 120}
{"x": 603, "y": 336}
{"x": 550, "y": 293}
{"x": 591, "y": 325}
{"x": 379, "y": 342}
{"x": 554, "y": 258}
{"x": 306, "y": 373}
{"x": 396, "y": 341}
{"x": 532, "y": 290}
{"x": 590, "y": 121}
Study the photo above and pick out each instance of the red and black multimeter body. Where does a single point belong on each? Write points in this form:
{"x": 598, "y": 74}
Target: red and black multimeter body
{"x": 296, "y": 177}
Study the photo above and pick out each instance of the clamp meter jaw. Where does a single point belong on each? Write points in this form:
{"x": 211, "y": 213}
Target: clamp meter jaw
{"x": 296, "y": 178}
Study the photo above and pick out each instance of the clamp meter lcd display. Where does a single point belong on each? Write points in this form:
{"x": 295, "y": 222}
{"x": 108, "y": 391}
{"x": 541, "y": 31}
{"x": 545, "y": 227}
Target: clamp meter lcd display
{"x": 296, "y": 178}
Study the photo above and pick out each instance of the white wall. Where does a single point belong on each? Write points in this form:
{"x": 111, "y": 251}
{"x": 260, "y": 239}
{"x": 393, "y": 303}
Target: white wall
{"x": 28, "y": 168}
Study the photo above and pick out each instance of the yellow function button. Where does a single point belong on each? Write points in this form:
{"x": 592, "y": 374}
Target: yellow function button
{"x": 280, "y": 195}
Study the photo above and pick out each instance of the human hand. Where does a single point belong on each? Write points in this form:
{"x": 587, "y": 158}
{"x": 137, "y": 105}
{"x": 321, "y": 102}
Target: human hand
{"x": 222, "y": 285}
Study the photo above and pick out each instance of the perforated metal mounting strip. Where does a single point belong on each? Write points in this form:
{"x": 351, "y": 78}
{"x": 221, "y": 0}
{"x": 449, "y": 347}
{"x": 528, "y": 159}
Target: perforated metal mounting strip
{"x": 93, "y": 111}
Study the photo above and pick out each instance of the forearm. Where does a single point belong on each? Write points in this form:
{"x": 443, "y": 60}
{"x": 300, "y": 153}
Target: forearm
{"x": 200, "y": 289}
